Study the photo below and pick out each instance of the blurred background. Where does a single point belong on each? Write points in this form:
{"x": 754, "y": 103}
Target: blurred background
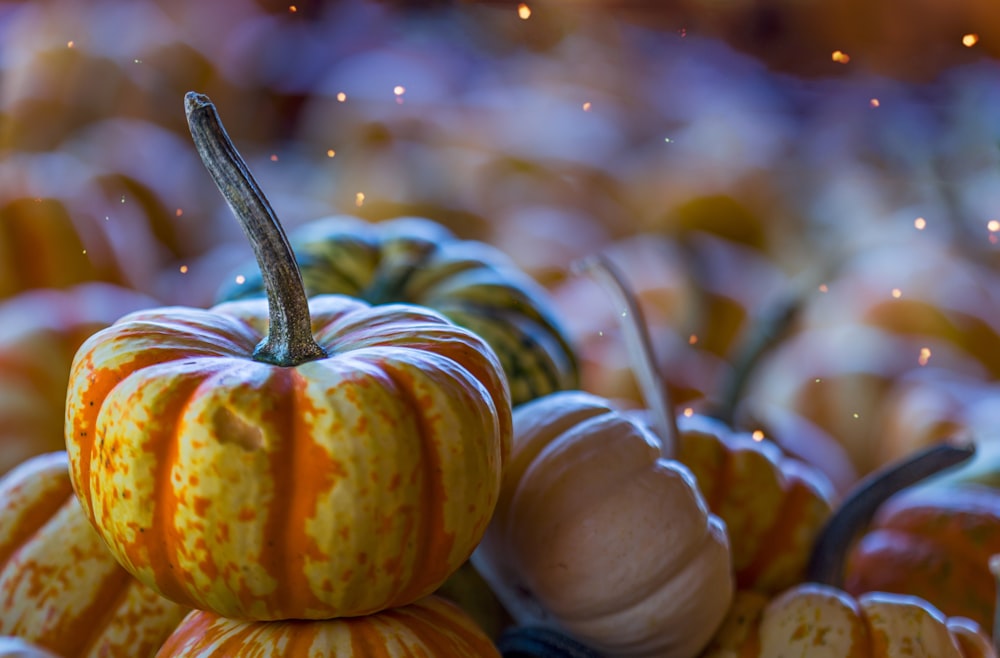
{"x": 729, "y": 155}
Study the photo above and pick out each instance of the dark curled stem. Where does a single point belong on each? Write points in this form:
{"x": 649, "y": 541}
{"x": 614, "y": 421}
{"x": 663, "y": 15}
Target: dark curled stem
{"x": 289, "y": 340}
{"x": 826, "y": 564}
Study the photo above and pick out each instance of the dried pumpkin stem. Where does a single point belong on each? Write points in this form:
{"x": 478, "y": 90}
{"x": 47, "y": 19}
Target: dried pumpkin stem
{"x": 826, "y": 564}
{"x": 289, "y": 339}
{"x": 640, "y": 348}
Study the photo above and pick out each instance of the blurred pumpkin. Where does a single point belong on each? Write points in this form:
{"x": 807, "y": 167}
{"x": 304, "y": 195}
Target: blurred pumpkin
{"x": 40, "y": 331}
{"x": 60, "y": 587}
{"x": 895, "y": 533}
{"x": 418, "y": 261}
{"x": 60, "y": 225}
{"x": 204, "y": 443}
{"x": 428, "y": 627}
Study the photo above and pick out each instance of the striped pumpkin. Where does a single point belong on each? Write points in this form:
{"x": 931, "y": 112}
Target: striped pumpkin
{"x": 339, "y": 486}
{"x": 819, "y": 620}
{"x": 773, "y": 506}
{"x": 40, "y": 331}
{"x": 60, "y": 588}
{"x": 418, "y": 261}
{"x": 428, "y": 627}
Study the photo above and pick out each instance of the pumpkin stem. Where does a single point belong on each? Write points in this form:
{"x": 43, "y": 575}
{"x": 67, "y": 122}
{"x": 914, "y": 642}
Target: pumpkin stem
{"x": 640, "y": 348}
{"x": 826, "y": 563}
{"x": 289, "y": 340}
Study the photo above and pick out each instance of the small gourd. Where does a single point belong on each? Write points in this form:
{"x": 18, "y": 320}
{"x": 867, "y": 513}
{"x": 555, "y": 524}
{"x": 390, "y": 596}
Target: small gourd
{"x": 60, "y": 587}
{"x": 289, "y": 457}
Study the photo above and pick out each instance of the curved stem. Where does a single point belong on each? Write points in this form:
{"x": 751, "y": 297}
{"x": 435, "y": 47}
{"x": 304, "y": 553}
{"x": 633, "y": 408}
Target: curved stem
{"x": 289, "y": 340}
{"x": 826, "y": 564}
{"x": 640, "y": 349}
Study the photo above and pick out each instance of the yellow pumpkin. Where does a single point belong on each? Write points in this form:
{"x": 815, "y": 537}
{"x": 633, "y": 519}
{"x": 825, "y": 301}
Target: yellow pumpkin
{"x": 821, "y": 621}
{"x": 597, "y": 534}
{"x": 60, "y": 587}
{"x": 286, "y": 458}
{"x": 428, "y": 627}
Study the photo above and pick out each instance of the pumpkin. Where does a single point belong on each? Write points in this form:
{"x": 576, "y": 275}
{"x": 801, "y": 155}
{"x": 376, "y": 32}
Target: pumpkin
{"x": 60, "y": 588}
{"x": 62, "y": 223}
{"x": 289, "y": 457}
{"x": 817, "y": 620}
{"x": 598, "y": 535}
{"x": 428, "y": 627}
{"x": 415, "y": 260}
{"x": 40, "y": 331}
{"x": 932, "y": 540}
{"x": 773, "y": 505}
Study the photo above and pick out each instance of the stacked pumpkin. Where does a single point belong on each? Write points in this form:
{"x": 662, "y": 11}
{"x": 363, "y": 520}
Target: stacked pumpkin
{"x": 271, "y": 462}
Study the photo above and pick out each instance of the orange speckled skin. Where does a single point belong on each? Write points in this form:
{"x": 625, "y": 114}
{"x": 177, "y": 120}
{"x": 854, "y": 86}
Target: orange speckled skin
{"x": 337, "y": 487}
{"x": 773, "y": 506}
{"x": 935, "y": 544}
{"x": 60, "y": 588}
{"x": 824, "y": 622}
{"x": 429, "y": 628}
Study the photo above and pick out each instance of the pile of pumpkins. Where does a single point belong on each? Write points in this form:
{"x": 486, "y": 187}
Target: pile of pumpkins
{"x": 387, "y": 440}
{"x": 304, "y": 467}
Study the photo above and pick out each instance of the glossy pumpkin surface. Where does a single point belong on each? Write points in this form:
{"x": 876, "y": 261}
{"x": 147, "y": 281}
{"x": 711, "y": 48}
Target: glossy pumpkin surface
{"x": 936, "y": 544}
{"x": 40, "y": 331}
{"x": 418, "y": 261}
{"x": 820, "y": 621}
{"x": 60, "y": 587}
{"x": 339, "y": 486}
{"x": 598, "y": 535}
{"x": 428, "y": 627}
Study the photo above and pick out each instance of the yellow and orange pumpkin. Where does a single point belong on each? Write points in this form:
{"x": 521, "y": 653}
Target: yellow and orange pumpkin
{"x": 429, "y": 627}
{"x": 60, "y": 587}
{"x": 819, "y": 620}
{"x": 286, "y": 458}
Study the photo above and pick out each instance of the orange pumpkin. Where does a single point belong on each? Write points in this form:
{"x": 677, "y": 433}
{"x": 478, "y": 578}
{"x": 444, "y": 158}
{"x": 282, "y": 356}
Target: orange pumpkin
{"x": 818, "y": 620}
{"x": 428, "y": 627}
{"x": 933, "y": 540}
{"x": 933, "y": 544}
{"x": 286, "y": 458}
{"x": 60, "y": 588}
{"x": 40, "y": 331}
